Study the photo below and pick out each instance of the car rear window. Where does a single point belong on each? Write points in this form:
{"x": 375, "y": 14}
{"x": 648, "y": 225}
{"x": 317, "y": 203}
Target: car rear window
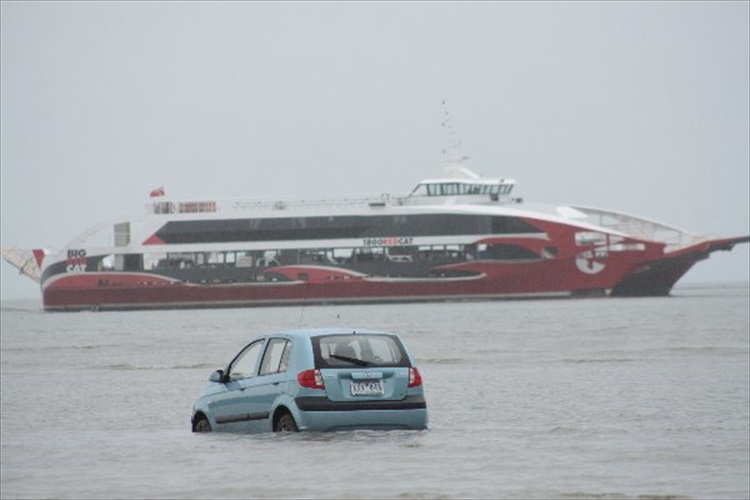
{"x": 359, "y": 350}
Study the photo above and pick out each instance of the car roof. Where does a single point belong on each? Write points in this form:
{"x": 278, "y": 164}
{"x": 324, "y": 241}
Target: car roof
{"x": 315, "y": 332}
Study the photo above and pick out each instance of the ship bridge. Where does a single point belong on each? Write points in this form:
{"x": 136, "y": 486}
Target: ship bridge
{"x": 498, "y": 190}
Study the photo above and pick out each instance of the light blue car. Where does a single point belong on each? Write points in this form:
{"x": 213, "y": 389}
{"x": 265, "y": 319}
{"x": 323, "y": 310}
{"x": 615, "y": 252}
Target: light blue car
{"x": 315, "y": 380}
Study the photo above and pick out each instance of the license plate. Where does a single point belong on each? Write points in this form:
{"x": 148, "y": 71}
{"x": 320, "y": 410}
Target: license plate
{"x": 367, "y": 388}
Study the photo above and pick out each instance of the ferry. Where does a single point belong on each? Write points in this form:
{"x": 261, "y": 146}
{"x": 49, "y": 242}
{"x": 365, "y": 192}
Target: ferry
{"x": 457, "y": 237}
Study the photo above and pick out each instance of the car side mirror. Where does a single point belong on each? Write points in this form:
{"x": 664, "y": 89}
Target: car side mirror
{"x": 217, "y": 376}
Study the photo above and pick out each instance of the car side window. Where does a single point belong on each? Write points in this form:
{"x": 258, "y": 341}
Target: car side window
{"x": 276, "y": 358}
{"x": 244, "y": 364}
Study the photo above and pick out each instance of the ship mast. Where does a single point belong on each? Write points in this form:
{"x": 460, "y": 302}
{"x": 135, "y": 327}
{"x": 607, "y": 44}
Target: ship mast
{"x": 454, "y": 159}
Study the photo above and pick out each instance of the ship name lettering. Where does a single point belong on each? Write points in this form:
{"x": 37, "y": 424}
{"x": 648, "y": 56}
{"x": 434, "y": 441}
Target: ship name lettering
{"x": 76, "y": 261}
{"x": 388, "y": 242}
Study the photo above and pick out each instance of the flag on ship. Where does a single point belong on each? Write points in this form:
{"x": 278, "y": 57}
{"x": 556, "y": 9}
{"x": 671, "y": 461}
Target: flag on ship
{"x": 157, "y": 192}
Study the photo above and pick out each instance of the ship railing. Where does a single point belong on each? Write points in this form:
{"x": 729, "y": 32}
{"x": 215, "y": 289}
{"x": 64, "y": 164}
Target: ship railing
{"x": 95, "y": 241}
{"x": 287, "y": 204}
{"x": 674, "y": 238}
{"x": 382, "y": 200}
{"x": 176, "y": 207}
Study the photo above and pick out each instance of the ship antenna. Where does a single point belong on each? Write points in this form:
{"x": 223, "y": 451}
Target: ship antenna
{"x": 301, "y": 315}
{"x": 452, "y": 153}
{"x": 304, "y": 303}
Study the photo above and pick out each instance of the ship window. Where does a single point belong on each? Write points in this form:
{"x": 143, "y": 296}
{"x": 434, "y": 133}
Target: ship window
{"x": 341, "y": 227}
{"x": 420, "y": 190}
{"x": 590, "y": 238}
{"x": 196, "y": 207}
{"x": 164, "y": 207}
{"x": 122, "y": 234}
{"x": 107, "y": 263}
{"x": 627, "y": 247}
{"x": 132, "y": 262}
{"x": 341, "y": 255}
{"x": 510, "y": 225}
{"x": 508, "y": 252}
{"x": 244, "y": 260}
{"x": 152, "y": 260}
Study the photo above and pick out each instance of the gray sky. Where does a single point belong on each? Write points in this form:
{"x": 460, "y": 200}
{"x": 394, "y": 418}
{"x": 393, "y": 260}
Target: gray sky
{"x": 635, "y": 106}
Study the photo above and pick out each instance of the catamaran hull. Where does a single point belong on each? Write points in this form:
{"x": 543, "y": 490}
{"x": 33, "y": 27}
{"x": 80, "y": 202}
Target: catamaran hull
{"x": 551, "y": 279}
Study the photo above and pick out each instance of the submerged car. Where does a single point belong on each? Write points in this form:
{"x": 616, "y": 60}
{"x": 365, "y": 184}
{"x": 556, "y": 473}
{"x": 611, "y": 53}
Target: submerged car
{"x": 315, "y": 380}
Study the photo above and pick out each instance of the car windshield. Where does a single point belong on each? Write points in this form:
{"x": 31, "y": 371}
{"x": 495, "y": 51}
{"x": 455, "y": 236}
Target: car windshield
{"x": 347, "y": 351}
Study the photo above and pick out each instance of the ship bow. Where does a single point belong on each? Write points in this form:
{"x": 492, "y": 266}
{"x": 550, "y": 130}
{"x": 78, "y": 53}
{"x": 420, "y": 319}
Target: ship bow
{"x": 656, "y": 278}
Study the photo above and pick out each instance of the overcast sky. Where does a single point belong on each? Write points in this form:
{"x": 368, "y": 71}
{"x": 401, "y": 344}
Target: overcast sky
{"x": 640, "y": 107}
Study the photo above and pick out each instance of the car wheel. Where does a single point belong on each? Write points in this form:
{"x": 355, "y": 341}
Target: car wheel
{"x": 286, "y": 423}
{"x": 202, "y": 425}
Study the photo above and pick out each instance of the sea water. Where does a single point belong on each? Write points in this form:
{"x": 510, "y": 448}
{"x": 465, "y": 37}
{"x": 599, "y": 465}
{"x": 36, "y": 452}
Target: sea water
{"x": 573, "y": 398}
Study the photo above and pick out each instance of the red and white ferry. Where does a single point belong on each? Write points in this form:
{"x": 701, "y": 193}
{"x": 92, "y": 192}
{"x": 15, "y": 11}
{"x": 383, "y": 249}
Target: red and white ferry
{"x": 457, "y": 237}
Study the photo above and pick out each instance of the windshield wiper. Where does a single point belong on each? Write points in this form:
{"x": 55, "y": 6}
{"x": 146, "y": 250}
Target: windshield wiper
{"x": 360, "y": 362}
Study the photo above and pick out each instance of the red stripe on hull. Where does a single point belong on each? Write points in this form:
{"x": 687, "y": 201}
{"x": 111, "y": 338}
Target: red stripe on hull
{"x": 146, "y": 291}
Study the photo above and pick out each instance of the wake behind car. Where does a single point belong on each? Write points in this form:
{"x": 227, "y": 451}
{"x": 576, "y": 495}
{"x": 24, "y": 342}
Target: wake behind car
{"x": 315, "y": 380}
